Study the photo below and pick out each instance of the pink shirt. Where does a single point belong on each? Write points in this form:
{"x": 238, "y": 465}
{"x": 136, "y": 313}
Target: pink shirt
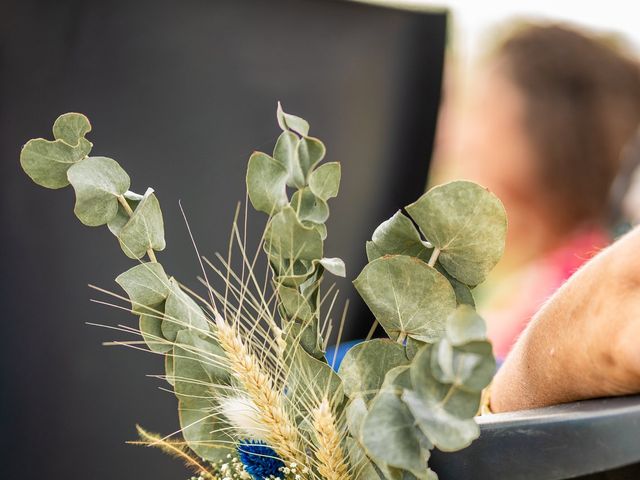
{"x": 530, "y": 287}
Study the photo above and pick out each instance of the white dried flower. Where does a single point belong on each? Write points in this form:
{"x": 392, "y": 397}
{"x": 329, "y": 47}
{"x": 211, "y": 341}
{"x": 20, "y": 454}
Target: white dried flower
{"x": 243, "y": 414}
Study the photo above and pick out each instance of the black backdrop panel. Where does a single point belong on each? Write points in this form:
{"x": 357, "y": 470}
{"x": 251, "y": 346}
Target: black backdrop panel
{"x": 180, "y": 93}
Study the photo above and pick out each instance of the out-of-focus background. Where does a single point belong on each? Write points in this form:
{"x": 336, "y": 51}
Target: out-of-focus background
{"x": 404, "y": 94}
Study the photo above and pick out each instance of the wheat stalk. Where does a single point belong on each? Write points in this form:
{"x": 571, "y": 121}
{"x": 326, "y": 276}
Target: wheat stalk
{"x": 281, "y": 433}
{"x": 329, "y": 455}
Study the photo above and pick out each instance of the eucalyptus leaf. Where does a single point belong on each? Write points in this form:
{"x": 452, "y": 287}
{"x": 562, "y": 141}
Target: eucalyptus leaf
{"x": 446, "y": 431}
{"x": 266, "y": 183}
{"x": 365, "y": 365}
{"x": 169, "y": 367}
{"x": 145, "y": 228}
{"x": 47, "y": 162}
{"x": 291, "y": 122}
{"x": 311, "y": 379}
{"x": 407, "y": 297}
{"x": 355, "y": 413}
{"x": 122, "y": 217}
{"x": 288, "y": 238}
{"x": 310, "y": 152}
{"x": 455, "y": 397}
{"x": 321, "y": 228}
{"x": 98, "y": 182}
{"x": 197, "y": 366}
{"x": 390, "y": 437}
{"x": 305, "y": 335}
{"x": 294, "y": 303}
{"x": 71, "y": 128}
{"x": 204, "y": 430}
{"x": 151, "y": 330}
{"x": 334, "y": 265}
{"x": 464, "y": 326}
{"x": 146, "y": 284}
{"x": 181, "y": 312}
{"x": 467, "y": 223}
{"x": 464, "y": 296}
{"x": 362, "y": 467}
{"x": 399, "y": 236}
{"x": 286, "y": 153}
{"x": 373, "y": 251}
{"x": 308, "y": 207}
{"x": 324, "y": 181}
{"x": 398, "y": 378}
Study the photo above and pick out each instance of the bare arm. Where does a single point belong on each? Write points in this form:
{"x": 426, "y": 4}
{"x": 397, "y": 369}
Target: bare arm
{"x": 585, "y": 341}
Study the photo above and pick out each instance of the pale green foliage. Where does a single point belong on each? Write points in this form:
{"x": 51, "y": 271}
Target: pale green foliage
{"x": 467, "y": 223}
{"x": 266, "y": 183}
{"x": 47, "y": 162}
{"x": 364, "y": 366}
{"x": 393, "y": 399}
{"x": 412, "y": 285}
{"x": 407, "y": 296}
{"x": 196, "y": 375}
{"x": 147, "y": 286}
{"x": 324, "y": 182}
{"x": 144, "y": 231}
{"x": 98, "y": 182}
{"x": 295, "y": 233}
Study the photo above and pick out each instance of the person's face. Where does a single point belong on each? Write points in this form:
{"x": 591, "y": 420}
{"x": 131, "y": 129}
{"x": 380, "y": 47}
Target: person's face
{"x": 486, "y": 138}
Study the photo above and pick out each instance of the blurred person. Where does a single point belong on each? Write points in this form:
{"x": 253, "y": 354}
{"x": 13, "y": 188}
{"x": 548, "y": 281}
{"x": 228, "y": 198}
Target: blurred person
{"x": 543, "y": 124}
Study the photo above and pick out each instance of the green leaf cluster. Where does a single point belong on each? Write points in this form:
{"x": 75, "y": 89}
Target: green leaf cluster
{"x": 170, "y": 321}
{"x": 394, "y": 399}
{"x": 293, "y": 188}
{"x": 100, "y": 184}
{"x": 421, "y": 389}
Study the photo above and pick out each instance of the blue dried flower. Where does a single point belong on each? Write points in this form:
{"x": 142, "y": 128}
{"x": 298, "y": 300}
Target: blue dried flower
{"x": 259, "y": 460}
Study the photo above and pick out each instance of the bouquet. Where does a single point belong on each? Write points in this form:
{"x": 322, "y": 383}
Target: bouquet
{"x": 257, "y": 397}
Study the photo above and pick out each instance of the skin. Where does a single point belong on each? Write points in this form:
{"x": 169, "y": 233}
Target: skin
{"x": 583, "y": 343}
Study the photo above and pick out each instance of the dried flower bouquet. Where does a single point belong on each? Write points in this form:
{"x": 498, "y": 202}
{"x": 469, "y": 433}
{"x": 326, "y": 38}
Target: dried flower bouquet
{"x": 256, "y": 396}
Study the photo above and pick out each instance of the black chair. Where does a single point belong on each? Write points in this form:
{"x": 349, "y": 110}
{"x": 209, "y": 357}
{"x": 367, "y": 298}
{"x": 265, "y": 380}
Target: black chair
{"x": 595, "y": 439}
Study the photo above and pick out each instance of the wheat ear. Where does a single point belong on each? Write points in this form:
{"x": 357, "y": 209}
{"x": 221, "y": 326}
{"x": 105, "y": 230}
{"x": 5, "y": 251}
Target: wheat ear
{"x": 329, "y": 455}
{"x": 280, "y": 433}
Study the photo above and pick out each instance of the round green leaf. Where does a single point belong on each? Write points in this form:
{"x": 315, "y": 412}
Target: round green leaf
{"x": 291, "y": 122}
{"x": 407, "y": 297}
{"x": 204, "y": 430}
{"x": 47, "y": 162}
{"x": 145, "y": 228}
{"x": 71, "y": 128}
{"x": 334, "y": 265}
{"x": 97, "y": 181}
{"x": 122, "y": 217}
{"x": 446, "y": 431}
{"x": 398, "y": 236}
{"x": 286, "y": 153}
{"x": 294, "y": 304}
{"x": 266, "y": 183}
{"x": 390, "y": 437}
{"x": 197, "y": 365}
{"x": 365, "y": 365}
{"x": 467, "y": 223}
{"x": 308, "y": 207}
{"x": 287, "y": 238}
{"x": 324, "y": 181}
{"x": 310, "y": 379}
{"x": 151, "y": 331}
{"x": 455, "y": 398}
{"x": 181, "y": 312}
{"x": 146, "y": 284}
{"x": 464, "y": 326}
{"x": 310, "y": 152}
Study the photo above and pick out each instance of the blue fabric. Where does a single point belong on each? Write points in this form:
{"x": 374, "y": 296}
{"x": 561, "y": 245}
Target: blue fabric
{"x": 342, "y": 349}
